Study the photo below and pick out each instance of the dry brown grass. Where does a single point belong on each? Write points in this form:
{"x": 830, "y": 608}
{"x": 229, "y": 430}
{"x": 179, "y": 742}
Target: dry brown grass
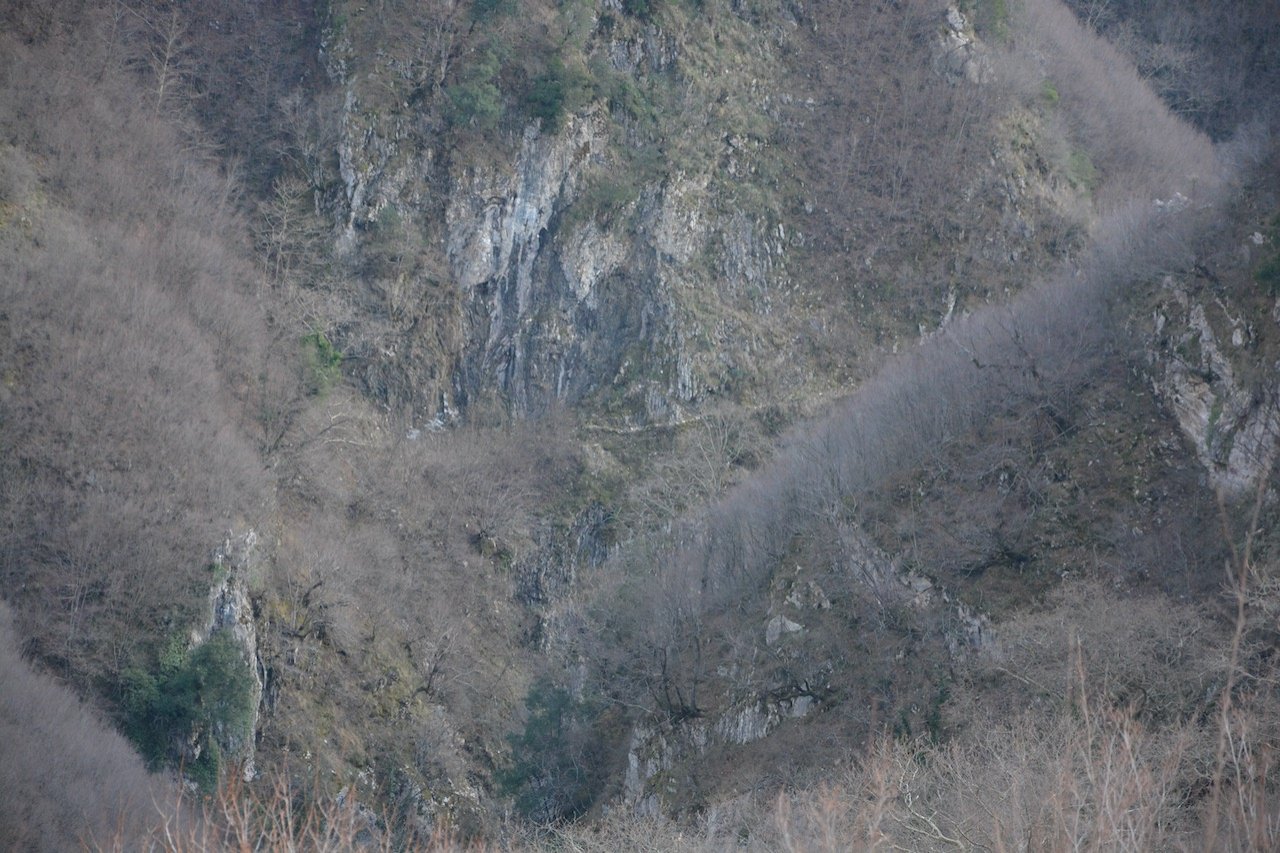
{"x": 1096, "y": 780}
{"x": 1092, "y": 779}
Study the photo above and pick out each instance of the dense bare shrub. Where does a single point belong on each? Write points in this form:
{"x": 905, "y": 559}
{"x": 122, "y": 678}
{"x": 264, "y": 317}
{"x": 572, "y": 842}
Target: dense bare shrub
{"x": 68, "y": 778}
{"x": 1096, "y": 779}
{"x": 1216, "y": 66}
{"x": 885, "y": 147}
{"x": 1141, "y": 149}
{"x": 131, "y": 348}
{"x": 276, "y": 817}
{"x": 1034, "y": 353}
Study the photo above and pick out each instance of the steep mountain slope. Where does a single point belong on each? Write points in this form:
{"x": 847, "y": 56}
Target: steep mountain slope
{"x": 636, "y": 210}
{"x": 644, "y": 404}
{"x": 132, "y": 351}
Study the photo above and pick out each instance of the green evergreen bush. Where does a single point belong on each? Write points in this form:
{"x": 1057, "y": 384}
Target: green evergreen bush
{"x": 642, "y": 9}
{"x": 475, "y": 100}
{"x": 1267, "y": 275}
{"x": 192, "y": 697}
{"x": 482, "y": 9}
{"x": 551, "y": 775}
{"x": 558, "y": 90}
{"x": 322, "y": 363}
{"x": 990, "y": 18}
{"x": 1081, "y": 171}
{"x": 1049, "y": 93}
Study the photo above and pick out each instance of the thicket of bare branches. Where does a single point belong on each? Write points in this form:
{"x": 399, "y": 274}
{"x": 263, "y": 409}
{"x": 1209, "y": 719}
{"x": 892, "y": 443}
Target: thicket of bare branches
{"x": 1034, "y": 353}
{"x": 885, "y": 148}
{"x": 1142, "y": 150}
{"x": 1217, "y": 66}
{"x": 130, "y": 349}
{"x": 1129, "y": 723}
{"x": 891, "y": 153}
{"x": 68, "y": 779}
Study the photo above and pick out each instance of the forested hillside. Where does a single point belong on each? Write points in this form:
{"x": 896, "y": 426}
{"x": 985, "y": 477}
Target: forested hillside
{"x": 663, "y": 424}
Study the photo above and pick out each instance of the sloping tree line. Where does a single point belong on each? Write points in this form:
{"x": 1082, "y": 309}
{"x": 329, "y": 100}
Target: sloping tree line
{"x": 657, "y": 643}
{"x": 133, "y": 360}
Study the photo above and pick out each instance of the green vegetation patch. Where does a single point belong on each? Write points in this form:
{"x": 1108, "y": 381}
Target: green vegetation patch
{"x": 554, "y": 772}
{"x": 475, "y": 100}
{"x": 604, "y": 196}
{"x": 483, "y": 9}
{"x": 642, "y": 9}
{"x": 188, "y": 703}
{"x": 322, "y": 363}
{"x": 991, "y": 19}
{"x": 562, "y": 88}
{"x": 1049, "y": 93}
{"x": 1267, "y": 273}
{"x": 1081, "y": 171}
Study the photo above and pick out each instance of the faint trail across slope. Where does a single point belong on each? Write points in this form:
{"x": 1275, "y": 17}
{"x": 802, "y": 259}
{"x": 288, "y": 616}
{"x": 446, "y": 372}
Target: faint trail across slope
{"x": 1164, "y": 183}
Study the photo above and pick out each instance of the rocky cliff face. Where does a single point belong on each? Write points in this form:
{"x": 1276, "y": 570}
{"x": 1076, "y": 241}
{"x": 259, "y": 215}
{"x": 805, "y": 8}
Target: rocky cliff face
{"x": 538, "y": 273}
{"x": 231, "y": 613}
{"x": 718, "y": 214}
{"x": 1205, "y": 368}
{"x": 552, "y": 310}
{"x": 669, "y": 237}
